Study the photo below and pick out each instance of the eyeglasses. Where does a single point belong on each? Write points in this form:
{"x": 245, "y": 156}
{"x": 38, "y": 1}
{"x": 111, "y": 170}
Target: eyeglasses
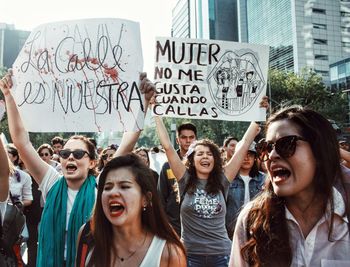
{"x": 285, "y": 147}
{"x": 44, "y": 154}
{"x": 77, "y": 154}
{"x": 105, "y": 156}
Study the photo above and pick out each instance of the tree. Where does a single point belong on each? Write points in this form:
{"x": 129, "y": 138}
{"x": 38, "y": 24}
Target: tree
{"x": 306, "y": 89}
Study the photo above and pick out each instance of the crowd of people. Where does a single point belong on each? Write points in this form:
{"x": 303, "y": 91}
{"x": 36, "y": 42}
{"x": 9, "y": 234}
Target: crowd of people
{"x": 280, "y": 200}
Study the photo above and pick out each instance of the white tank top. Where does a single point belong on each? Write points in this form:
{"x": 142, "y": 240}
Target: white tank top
{"x": 152, "y": 257}
{"x": 154, "y": 253}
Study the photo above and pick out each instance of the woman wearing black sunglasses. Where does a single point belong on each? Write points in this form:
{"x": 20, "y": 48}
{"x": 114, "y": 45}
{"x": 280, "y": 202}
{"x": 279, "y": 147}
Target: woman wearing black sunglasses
{"x": 68, "y": 199}
{"x": 106, "y": 155}
{"x": 300, "y": 218}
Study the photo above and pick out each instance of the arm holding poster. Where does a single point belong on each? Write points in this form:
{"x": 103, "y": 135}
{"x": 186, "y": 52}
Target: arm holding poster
{"x": 36, "y": 166}
{"x": 232, "y": 167}
{"x": 129, "y": 139}
{"x": 175, "y": 162}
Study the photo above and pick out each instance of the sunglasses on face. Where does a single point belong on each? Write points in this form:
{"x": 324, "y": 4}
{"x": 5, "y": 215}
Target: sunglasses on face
{"x": 44, "y": 154}
{"x": 105, "y": 156}
{"x": 77, "y": 154}
{"x": 285, "y": 147}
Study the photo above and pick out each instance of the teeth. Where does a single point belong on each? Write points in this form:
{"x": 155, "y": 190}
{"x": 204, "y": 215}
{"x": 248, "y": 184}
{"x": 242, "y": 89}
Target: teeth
{"x": 115, "y": 205}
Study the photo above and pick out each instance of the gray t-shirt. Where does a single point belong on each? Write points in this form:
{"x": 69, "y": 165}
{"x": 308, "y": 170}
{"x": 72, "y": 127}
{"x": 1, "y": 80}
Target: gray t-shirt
{"x": 203, "y": 219}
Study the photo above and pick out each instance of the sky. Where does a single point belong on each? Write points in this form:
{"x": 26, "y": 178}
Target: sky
{"x": 154, "y": 16}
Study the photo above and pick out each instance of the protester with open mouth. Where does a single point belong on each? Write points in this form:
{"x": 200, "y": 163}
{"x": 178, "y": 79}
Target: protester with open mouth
{"x": 203, "y": 185}
{"x": 302, "y": 216}
{"x": 128, "y": 226}
{"x": 69, "y": 199}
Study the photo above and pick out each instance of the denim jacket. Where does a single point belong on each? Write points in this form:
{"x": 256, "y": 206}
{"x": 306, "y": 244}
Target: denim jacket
{"x": 235, "y": 198}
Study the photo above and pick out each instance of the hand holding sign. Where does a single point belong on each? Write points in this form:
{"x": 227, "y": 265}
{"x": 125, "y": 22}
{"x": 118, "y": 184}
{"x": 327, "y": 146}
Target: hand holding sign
{"x": 6, "y": 83}
{"x": 82, "y": 75}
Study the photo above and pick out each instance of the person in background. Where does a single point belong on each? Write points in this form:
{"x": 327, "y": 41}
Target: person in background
{"x": 4, "y": 193}
{"x": 143, "y": 153}
{"x": 229, "y": 146}
{"x": 301, "y": 218}
{"x": 128, "y": 225}
{"x": 248, "y": 183}
{"x": 57, "y": 144}
{"x": 106, "y": 155}
{"x": 32, "y": 211}
{"x": 45, "y": 152}
{"x": 343, "y": 143}
{"x": 168, "y": 188}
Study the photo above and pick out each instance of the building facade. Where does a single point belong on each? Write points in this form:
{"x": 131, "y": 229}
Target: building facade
{"x": 11, "y": 43}
{"x": 300, "y": 33}
{"x": 205, "y": 19}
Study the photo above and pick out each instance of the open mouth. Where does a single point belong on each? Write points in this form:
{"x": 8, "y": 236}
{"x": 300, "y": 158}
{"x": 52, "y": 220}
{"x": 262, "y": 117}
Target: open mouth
{"x": 205, "y": 164}
{"x": 280, "y": 174}
{"x": 116, "y": 209}
{"x": 71, "y": 168}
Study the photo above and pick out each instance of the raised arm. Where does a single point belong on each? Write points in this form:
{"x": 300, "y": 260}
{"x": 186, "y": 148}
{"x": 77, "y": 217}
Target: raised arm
{"x": 4, "y": 173}
{"x": 232, "y": 167}
{"x": 129, "y": 139}
{"x": 35, "y": 165}
{"x": 174, "y": 160}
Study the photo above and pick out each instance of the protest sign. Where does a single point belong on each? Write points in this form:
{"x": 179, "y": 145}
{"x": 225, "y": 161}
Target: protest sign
{"x": 209, "y": 79}
{"x": 81, "y": 76}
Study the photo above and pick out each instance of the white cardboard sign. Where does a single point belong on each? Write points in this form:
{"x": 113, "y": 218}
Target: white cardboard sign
{"x": 209, "y": 79}
{"x": 81, "y": 76}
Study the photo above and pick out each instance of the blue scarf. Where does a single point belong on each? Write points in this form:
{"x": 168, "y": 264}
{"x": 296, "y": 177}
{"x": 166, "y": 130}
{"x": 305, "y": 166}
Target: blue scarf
{"x": 53, "y": 222}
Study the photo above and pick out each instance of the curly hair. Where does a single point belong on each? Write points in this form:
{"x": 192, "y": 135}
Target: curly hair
{"x": 213, "y": 186}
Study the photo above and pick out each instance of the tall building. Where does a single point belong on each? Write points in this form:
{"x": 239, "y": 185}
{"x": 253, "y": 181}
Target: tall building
{"x": 300, "y": 33}
{"x": 11, "y": 43}
{"x": 205, "y": 19}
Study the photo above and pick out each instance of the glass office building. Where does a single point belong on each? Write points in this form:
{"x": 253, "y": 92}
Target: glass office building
{"x": 11, "y": 43}
{"x": 205, "y": 19}
{"x": 301, "y": 33}
{"x": 340, "y": 75}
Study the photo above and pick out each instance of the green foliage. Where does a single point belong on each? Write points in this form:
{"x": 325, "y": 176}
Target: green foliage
{"x": 306, "y": 89}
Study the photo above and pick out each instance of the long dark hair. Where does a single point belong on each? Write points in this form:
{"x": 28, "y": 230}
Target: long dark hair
{"x": 213, "y": 186}
{"x": 267, "y": 230}
{"x": 153, "y": 218}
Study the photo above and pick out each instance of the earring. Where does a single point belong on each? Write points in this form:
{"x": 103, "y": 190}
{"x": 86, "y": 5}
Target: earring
{"x": 144, "y": 208}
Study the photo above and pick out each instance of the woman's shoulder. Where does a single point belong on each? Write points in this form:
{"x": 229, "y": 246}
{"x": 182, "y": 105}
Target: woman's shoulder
{"x": 172, "y": 255}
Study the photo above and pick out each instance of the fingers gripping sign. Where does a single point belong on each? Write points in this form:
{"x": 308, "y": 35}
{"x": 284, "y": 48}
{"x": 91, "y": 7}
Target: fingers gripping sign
{"x": 6, "y": 83}
{"x": 146, "y": 87}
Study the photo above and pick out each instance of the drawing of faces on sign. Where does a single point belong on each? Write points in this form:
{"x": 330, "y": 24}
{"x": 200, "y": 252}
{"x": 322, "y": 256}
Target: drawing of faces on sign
{"x": 236, "y": 81}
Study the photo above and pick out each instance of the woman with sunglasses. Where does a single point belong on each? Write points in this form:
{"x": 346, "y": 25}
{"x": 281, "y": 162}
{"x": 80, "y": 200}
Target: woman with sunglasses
{"x": 68, "y": 199}
{"x": 46, "y": 152}
{"x": 300, "y": 219}
{"x": 203, "y": 185}
{"x": 106, "y": 155}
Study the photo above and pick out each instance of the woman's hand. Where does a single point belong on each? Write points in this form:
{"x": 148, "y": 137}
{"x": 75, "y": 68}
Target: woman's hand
{"x": 6, "y": 83}
{"x": 147, "y": 87}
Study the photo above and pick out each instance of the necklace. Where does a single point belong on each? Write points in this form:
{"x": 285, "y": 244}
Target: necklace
{"x": 122, "y": 259}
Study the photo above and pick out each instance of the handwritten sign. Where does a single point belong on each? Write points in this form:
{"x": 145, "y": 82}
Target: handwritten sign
{"x": 207, "y": 79}
{"x": 81, "y": 76}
